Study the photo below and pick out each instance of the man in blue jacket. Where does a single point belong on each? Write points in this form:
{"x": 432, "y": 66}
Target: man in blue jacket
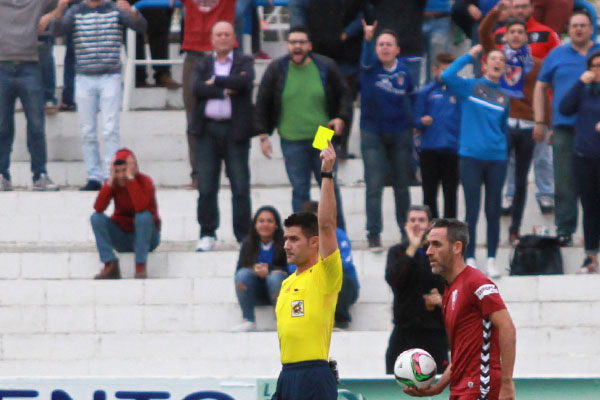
{"x": 437, "y": 116}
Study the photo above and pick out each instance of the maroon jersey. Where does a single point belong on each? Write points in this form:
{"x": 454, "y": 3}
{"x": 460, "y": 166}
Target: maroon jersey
{"x": 467, "y": 304}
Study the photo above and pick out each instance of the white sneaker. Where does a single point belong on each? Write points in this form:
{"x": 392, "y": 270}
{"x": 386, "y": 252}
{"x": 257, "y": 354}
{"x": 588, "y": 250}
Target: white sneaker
{"x": 245, "y": 326}
{"x": 206, "y": 243}
{"x": 492, "y": 271}
{"x": 471, "y": 261}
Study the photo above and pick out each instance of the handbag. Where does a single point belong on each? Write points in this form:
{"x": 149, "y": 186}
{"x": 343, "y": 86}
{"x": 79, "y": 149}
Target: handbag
{"x": 537, "y": 255}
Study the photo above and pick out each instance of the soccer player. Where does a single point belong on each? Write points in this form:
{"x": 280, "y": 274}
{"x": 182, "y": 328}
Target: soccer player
{"x": 306, "y": 304}
{"x": 481, "y": 332}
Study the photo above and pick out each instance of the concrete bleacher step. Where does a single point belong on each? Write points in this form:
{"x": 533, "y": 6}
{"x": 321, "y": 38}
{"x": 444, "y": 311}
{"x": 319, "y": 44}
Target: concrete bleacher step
{"x": 64, "y": 216}
{"x": 180, "y": 326}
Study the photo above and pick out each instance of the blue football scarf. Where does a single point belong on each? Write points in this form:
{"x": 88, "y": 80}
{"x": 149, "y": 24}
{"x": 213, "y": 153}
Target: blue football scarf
{"x": 518, "y": 64}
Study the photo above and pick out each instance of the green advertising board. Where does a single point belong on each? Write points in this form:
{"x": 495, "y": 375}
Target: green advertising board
{"x": 388, "y": 389}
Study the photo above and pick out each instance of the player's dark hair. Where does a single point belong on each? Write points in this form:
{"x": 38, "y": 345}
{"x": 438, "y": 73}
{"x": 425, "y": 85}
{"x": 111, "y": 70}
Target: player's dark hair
{"x": 389, "y": 32}
{"x": 444, "y": 58}
{"x": 307, "y": 221}
{"x": 420, "y": 207}
{"x": 516, "y": 21}
{"x": 119, "y": 162}
{"x": 581, "y": 11}
{"x": 310, "y": 206}
{"x": 299, "y": 29}
{"x": 457, "y": 230}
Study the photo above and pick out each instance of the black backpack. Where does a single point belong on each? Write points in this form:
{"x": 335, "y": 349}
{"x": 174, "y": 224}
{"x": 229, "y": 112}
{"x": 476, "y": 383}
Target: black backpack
{"x": 537, "y": 255}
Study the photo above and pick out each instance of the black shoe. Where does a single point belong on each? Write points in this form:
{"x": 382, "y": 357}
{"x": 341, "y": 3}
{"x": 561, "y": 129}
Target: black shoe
{"x": 91, "y": 186}
{"x": 375, "y": 244}
{"x": 67, "y": 107}
{"x": 546, "y": 205}
{"x": 565, "y": 240}
{"x": 507, "y": 206}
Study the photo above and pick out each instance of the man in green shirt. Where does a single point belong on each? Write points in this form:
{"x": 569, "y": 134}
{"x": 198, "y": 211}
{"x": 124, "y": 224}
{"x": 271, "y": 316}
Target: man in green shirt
{"x": 299, "y": 92}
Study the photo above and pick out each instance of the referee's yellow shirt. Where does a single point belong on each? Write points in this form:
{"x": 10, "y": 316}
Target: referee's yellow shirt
{"x": 306, "y": 308}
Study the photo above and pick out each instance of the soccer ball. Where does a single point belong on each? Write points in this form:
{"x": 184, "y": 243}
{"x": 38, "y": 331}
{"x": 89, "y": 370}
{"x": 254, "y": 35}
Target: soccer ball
{"x": 415, "y": 367}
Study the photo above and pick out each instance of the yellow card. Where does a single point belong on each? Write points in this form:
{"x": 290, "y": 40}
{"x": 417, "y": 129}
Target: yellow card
{"x": 323, "y": 135}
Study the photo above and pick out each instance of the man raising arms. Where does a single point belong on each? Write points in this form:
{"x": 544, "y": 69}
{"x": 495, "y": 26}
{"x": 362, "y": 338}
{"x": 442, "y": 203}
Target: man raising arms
{"x": 306, "y": 304}
{"x": 481, "y": 332}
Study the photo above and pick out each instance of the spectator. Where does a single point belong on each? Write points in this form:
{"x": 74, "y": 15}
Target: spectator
{"x": 98, "y": 74}
{"x": 482, "y": 146}
{"x": 406, "y": 19}
{"x": 159, "y": 24}
{"x": 553, "y": 13}
{"x": 518, "y": 83}
{"x": 437, "y": 116}
{"x": 350, "y": 287}
{"x": 542, "y": 39}
{"x": 200, "y": 16}
{"x": 222, "y": 122}
{"x": 261, "y": 266}
{"x": 436, "y": 32}
{"x": 386, "y": 138}
{"x": 297, "y": 93}
{"x": 134, "y": 225}
{"x": 418, "y": 321}
{"x": 20, "y": 77}
{"x": 560, "y": 71}
{"x": 583, "y": 100}
{"x": 336, "y": 32}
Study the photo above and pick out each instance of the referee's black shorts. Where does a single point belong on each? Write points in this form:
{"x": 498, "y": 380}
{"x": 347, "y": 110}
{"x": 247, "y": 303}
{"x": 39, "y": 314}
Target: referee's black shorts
{"x": 306, "y": 380}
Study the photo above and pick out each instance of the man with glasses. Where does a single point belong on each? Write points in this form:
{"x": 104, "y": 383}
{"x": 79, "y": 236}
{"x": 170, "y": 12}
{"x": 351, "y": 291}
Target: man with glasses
{"x": 299, "y": 92}
{"x": 560, "y": 71}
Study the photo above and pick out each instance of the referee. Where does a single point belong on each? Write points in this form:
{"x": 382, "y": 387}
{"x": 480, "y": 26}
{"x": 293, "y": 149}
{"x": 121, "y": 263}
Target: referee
{"x": 306, "y": 304}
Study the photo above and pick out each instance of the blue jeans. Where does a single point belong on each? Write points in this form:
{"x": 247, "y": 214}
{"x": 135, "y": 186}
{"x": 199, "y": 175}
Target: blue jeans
{"x": 347, "y": 296}
{"x": 110, "y": 237}
{"x": 587, "y": 180}
{"x": 565, "y": 200}
{"x": 47, "y": 68}
{"x": 22, "y": 80}
{"x": 99, "y": 93}
{"x": 69, "y": 72}
{"x": 521, "y": 142}
{"x": 436, "y": 35}
{"x": 242, "y": 8}
{"x": 257, "y": 291}
{"x": 301, "y": 159}
{"x": 542, "y": 169}
{"x": 298, "y": 10}
{"x": 491, "y": 174}
{"x": 213, "y": 147}
{"x": 386, "y": 154}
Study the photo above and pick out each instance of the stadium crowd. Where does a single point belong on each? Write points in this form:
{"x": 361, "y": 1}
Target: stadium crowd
{"x": 485, "y": 130}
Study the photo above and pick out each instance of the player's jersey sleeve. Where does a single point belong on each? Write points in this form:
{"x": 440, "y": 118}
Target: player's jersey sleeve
{"x": 487, "y": 296}
{"x": 329, "y": 273}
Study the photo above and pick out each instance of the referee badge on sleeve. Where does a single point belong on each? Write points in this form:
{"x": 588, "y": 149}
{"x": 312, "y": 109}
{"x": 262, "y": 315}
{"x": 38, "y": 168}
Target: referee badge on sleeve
{"x": 298, "y": 308}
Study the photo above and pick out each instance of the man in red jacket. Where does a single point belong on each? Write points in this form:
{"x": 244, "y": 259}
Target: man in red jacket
{"x": 134, "y": 225}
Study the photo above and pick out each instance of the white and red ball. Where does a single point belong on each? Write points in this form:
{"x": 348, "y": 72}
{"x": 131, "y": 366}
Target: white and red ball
{"x": 415, "y": 367}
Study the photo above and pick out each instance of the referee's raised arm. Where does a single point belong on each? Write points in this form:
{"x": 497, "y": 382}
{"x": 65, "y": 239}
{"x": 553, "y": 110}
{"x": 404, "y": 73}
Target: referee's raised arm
{"x": 327, "y": 214}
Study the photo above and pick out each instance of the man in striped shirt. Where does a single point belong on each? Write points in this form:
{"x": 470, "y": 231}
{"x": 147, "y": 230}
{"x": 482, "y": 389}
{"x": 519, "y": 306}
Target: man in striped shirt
{"x": 97, "y": 29}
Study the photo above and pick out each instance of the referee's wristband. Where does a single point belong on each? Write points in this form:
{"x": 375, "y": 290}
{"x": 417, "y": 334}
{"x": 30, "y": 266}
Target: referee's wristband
{"x": 326, "y": 174}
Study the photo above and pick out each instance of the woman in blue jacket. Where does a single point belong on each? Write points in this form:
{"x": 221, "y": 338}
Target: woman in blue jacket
{"x": 482, "y": 145}
{"x": 584, "y": 100}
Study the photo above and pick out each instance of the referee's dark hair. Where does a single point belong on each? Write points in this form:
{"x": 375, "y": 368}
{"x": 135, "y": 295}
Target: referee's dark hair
{"x": 458, "y": 231}
{"x": 307, "y": 221}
